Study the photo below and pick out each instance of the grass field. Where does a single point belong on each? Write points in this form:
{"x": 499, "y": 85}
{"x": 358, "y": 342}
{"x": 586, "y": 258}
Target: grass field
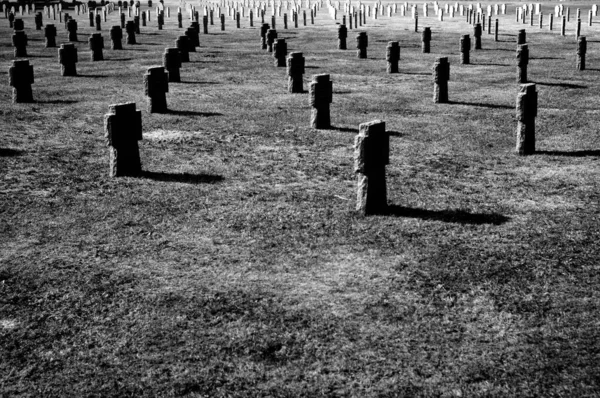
{"x": 237, "y": 266}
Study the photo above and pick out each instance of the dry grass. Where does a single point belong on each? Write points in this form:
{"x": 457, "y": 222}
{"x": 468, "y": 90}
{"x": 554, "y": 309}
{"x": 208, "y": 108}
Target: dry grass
{"x": 237, "y": 267}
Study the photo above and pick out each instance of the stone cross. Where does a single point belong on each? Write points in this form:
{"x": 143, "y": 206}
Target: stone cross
{"x": 263, "y": 35}
{"x": 205, "y": 24}
{"x": 179, "y": 20}
{"x": 143, "y": 18}
{"x": 280, "y": 52}
{"x": 172, "y": 63}
{"x": 19, "y": 41}
{"x": 91, "y": 18}
{"x": 441, "y": 75}
{"x": 67, "y": 56}
{"x": 11, "y": 20}
{"x": 426, "y": 40}
{"x": 465, "y": 48}
{"x": 271, "y": 36}
{"x": 160, "y": 20}
{"x": 123, "y": 130}
{"x": 497, "y": 25}
{"x": 39, "y": 21}
{"x": 392, "y": 56}
{"x": 130, "y": 30}
{"x": 183, "y": 45}
{"x": 98, "y": 22}
{"x": 521, "y": 37}
{"x": 527, "y": 100}
{"x": 581, "y": 50}
{"x": 193, "y": 38}
{"x": 116, "y": 35}
{"x": 295, "y": 71}
{"x": 362, "y": 42}
{"x": 371, "y": 155}
{"x": 50, "y": 35}
{"x": 223, "y": 22}
{"x": 522, "y": 61}
{"x": 321, "y": 95}
{"x": 72, "y": 28}
{"x": 477, "y": 34}
{"x": 156, "y": 85}
{"x": 342, "y": 35}
{"x": 96, "y": 43}
{"x": 20, "y": 78}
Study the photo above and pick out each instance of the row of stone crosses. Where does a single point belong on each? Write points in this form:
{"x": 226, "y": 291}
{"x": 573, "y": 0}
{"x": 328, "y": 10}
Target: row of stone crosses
{"x": 123, "y": 123}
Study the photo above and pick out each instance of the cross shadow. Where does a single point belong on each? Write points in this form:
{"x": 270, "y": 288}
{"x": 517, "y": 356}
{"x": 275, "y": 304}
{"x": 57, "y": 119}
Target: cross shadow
{"x": 9, "y": 152}
{"x": 481, "y": 105}
{"x": 344, "y": 129}
{"x": 92, "y": 76}
{"x": 565, "y": 85}
{"x": 343, "y": 92}
{"x": 415, "y": 73}
{"x": 39, "y": 56}
{"x": 450, "y": 216}
{"x": 183, "y": 177}
{"x": 119, "y": 59}
{"x": 574, "y": 154}
{"x": 532, "y": 58}
{"x": 490, "y": 64}
{"x": 311, "y": 67}
{"x": 186, "y": 82}
{"x": 192, "y": 113}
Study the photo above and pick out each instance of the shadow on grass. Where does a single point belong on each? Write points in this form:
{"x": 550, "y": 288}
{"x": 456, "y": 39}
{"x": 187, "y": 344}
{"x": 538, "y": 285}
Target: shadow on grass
{"x": 450, "y": 216}
{"x": 544, "y": 58}
{"x": 92, "y": 76}
{"x": 191, "y": 113}
{"x": 183, "y": 177}
{"x": 9, "y": 152}
{"x": 57, "y": 102}
{"x": 311, "y": 67}
{"x": 200, "y": 82}
{"x": 574, "y": 154}
{"x": 39, "y": 56}
{"x": 564, "y": 85}
{"x": 119, "y": 59}
{"x": 481, "y": 105}
{"x": 490, "y": 64}
{"x": 415, "y": 73}
{"x": 344, "y": 129}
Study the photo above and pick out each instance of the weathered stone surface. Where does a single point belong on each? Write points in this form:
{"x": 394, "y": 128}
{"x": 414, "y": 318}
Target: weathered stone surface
{"x": 465, "y": 48}
{"x": 521, "y": 37}
{"x": 19, "y": 41}
{"x": 130, "y": 30}
{"x": 581, "y": 51}
{"x": 321, "y": 95}
{"x": 67, "y": 56}
{"x": 295, "y": 71}
{"x": 271, "y": 36}
{"x": 280, "y": 52}
{"x": 72, "y": 29}
{"x": 342, "y": 36}
{"x": 426, "y": 40}
{"x": 39, "y": 21}
{"x": 20, "y": 78}
{"x": 263, "y": 35}
{"x": 362, "y": 42}
{"x": 522, "y": 61}
{"x": 477, "y": 31}
{"x": 123, "y": 130}
{"x": 441, "y": 75}
{"x": 392, "y": 56}
{"x": 18, "y": 24}
{"x": 371, "y": 155}
{"x": 156, "y": 85}
{"x": 193, "y": 37}
{"x": 527, "y": 99}
{"x": 96, "y": 44}
{"x": 50, "y": 35}
{"x": 116, "y": 37}
{"x": 183, "y": 45}
{"x": 172, "y": 63}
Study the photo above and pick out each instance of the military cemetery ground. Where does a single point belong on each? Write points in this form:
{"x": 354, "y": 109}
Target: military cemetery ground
{"x": 223, "y": 206}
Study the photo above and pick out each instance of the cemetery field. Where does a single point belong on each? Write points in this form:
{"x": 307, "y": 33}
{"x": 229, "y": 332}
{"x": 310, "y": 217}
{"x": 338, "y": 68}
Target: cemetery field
{"x": 237, "y": 266}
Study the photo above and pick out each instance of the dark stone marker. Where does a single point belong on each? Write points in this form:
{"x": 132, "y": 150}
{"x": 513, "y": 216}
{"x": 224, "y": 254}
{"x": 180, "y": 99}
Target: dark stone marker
{"x": 136, "y": 22}
{"x": 441, "y": 75}
{"x": 222, "y": 22}
{"x": 526, "y": 113}
{"x": 465, "y": 48}
{"x": 295, "y": 71}
{"x": 392, "y": 56}
{"x": 50, "y": 35}
{"x": 20, "y": 78}
{"x": 426, "y": 40}
{"x": 193, "y": 39}
{"x": 19, "y": 24}
{"x": 39, "y": 21}
{"x": 160, "y": 20}
{"x": 342, "y": 35}
{"x": 362, "y": 42}
{"x": 371, "y": 155}
{"x": 72, "y": 28}
{"x": 98, "y": 22}
{"x": 280, "y": 52}
{"x": 19, "y": 41}
{"x": 11, "y": 20}
{"x": 205, "y": 24}
{"x": 116, "y": 35}
{"x": 156, "y": 85}
{"x": 172, "y": 63}
{"x": 271, "y": 36}
{"x": 522, "y": 61}
{"x": 144, "y": 18}
{"x": 521, "y": 37}
{"x": 183, "y": 45}
{"x": 321, "y": 93}
{"x": 496, "y": 30}
{"x": 123, "y": 130}
{"x": 122, "y": 20}
{"x": 67, "y": 56}
{"x": 477, "y": 34}
{"x": 273, "y": 21}
{"x": 130, "y": 30}
{"x": 285, "y": 25}
{"x": 91, "y": 18}
{"x": 581, "y": 50}
{"x": 263, "y": 35}
{"x": 179, "y": 20}
{"x": 96, "y": 43}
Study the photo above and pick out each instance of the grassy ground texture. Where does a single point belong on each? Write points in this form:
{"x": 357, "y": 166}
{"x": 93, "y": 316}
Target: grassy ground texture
{"x": 236, "y": 266}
